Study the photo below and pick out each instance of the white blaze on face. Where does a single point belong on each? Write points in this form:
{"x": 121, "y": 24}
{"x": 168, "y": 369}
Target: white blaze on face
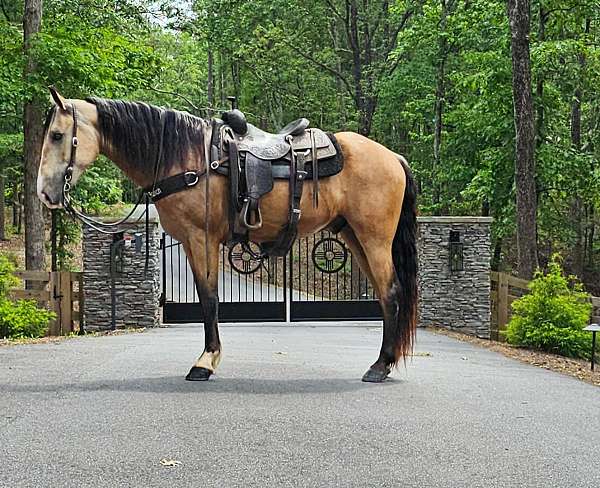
{"x": 209, "y": 360}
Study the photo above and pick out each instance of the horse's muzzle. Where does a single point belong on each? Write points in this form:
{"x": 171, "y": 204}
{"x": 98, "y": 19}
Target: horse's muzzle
{"x": 49, "y": 201}
{"x": 49, "y": 191}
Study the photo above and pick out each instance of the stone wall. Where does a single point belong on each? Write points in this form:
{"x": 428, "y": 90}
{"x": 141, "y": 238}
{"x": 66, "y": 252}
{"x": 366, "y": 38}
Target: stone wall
{"x": 457, "y": 300}
{"x": 137, "y": 296}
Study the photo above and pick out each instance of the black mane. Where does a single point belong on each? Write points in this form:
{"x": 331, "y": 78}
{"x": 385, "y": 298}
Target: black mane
{"x": 133, "y": 130}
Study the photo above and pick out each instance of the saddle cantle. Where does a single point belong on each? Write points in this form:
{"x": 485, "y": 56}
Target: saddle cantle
{"x": 252, "y": 158}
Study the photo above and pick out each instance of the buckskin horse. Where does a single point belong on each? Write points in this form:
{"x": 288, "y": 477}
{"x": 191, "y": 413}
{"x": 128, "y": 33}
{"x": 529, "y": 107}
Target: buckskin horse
{"x": 371, "y": 201}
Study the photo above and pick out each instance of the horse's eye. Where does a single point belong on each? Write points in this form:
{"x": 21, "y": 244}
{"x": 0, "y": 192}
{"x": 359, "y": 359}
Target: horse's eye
{"x": 57, "y": 136}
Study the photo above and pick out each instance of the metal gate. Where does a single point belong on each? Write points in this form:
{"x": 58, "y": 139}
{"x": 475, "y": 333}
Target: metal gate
{"x": 317, "y": 280}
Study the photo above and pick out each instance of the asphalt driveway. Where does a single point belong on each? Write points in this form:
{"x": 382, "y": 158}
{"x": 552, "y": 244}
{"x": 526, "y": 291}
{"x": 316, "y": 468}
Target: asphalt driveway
{"x": 287, "y": 408}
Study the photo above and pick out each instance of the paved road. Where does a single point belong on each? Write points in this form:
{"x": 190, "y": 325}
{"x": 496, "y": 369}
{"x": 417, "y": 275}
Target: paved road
{"x": 288, "y": 409}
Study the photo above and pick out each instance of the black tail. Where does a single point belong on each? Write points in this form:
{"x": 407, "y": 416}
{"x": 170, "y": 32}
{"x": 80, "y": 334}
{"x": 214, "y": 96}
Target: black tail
{"x": 404, "y": 255}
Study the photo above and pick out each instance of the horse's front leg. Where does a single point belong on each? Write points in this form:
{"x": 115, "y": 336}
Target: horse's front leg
{"x": 207, "y": 289}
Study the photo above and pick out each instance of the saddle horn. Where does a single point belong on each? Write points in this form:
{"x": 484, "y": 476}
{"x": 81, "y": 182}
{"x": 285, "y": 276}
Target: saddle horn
{"x": 236, "y": 120}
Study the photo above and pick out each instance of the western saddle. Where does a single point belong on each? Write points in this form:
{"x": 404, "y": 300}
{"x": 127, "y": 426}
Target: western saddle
{"x": 253, "y": 158}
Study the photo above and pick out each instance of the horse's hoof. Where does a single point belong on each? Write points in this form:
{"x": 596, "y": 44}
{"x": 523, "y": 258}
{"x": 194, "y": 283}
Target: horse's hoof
{"x": 375, "y": 375}
{"x": 198, "y": 374}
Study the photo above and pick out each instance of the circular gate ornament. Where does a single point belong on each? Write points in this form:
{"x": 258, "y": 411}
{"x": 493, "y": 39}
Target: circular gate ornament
{"x": 243, "y": 257}
{"x": 329, "y": 255}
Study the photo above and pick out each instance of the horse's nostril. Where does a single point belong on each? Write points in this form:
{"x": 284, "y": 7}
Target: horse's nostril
{"x": 48, "y": 199}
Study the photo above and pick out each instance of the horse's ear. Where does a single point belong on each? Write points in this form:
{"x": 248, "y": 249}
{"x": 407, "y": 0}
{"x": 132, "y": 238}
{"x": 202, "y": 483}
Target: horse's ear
{"x": 58, "y": 99}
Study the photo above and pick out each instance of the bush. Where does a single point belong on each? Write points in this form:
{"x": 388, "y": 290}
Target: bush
{"x": 22, "y": 318}
{"x": 7, "y": 279}
{"x": 552, "y": 316}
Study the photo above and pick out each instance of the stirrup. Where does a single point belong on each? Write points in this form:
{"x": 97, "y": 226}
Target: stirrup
{"x": 244, "y": 216}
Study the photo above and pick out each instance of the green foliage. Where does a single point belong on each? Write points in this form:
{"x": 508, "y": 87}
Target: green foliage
{"x": 7, "y": 278}
{"x": 284, "y": 59}
{"x": 21, "y": 318}
{"x": 552, "y": 316}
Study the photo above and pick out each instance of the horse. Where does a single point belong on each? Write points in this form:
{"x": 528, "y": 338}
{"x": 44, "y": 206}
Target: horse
{"x": 374, "y": 198}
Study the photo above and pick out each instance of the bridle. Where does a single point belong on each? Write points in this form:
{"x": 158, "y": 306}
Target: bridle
{"x": 110, "y": 228}
{"x": 158, "y": 190}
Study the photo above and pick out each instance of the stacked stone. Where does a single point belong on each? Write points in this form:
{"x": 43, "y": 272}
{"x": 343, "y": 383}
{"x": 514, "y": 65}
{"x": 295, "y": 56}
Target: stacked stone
{"x": 458, "y": 300}
{"x": 137, "y": 296}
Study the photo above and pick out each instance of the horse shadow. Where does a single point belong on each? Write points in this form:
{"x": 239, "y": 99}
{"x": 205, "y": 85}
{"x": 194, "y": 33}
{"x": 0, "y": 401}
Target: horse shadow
{"x": 177, "y": 384}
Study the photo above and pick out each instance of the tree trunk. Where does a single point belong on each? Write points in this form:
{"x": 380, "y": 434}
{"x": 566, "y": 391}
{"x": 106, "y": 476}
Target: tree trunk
{"x": 539, "y": 88}
{"x": 15, "y": 204}
{"x": 577, "y": 204}
{"x": 590, "y": 236}
{"x": 440, "y": 94}
{"x": 2, "y": 210}
{"x": 210, "y": 82}
{"x": 33, "y": 134}
{"x": 526, "y": 209}
{"x": 578, "y": 207}
{"x": 53, "y": 243}
{"x": 20, "y": 214}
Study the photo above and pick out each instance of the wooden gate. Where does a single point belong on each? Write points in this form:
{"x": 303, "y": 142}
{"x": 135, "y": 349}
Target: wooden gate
{"x": 59, "y": 291}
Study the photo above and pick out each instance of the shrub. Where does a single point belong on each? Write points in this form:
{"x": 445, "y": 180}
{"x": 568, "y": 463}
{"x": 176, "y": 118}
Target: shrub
{"x": 552, "y": 316}
{"x": 7, "y": 279}
{"x": 22, "y": 318}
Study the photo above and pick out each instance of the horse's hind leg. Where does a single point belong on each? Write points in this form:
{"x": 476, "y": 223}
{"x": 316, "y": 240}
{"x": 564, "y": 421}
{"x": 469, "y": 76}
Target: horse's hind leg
{"x": 357, "y": 252}
{"x": 380, "y": 270}
{"x": 207, "y": 289}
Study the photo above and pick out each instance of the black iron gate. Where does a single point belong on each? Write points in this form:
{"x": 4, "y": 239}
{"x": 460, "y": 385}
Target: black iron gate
{"x": 317, "y": 280}
{"x": 326, "y": 283}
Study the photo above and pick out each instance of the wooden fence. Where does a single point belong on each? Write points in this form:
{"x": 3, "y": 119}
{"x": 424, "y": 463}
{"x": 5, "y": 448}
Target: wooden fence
{"x": 505, "y": 290}
{"x": 59, "y": 291}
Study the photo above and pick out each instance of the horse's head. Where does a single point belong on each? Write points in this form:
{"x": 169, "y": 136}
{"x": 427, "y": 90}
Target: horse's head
{"x": 71, "y": 144}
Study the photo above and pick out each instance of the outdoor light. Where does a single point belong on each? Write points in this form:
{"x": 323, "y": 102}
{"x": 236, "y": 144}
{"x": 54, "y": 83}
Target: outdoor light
{"x": 456, "y": 252}
{"x": 593, "y": 328}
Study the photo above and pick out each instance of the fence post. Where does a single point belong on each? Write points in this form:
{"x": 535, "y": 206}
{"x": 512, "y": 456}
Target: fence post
{"x": 81, "y": 304}
{"x": 502, "y": 301}
{"x": 66, "y": 303}
{"x": 54, "y": 303}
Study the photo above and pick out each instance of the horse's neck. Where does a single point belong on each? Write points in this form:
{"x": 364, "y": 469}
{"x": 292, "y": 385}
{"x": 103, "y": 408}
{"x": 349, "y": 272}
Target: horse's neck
{"x": 142, "y": 179}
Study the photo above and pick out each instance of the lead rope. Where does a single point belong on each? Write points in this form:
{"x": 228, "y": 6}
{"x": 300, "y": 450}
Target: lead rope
{"x": 206, "y": 201}
{"x": 147, "y": 196}
{"x": 147, "y": 256}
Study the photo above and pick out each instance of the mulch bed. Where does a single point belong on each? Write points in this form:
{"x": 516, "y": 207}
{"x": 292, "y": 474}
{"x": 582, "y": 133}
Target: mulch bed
{"x": 577, "y": 368}
{"x": 57, "y": 339}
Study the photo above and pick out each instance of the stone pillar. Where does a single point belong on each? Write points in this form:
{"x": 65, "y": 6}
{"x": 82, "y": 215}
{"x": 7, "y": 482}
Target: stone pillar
{"x": 458, "y": 300}
{"x": 137, "y": 296}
